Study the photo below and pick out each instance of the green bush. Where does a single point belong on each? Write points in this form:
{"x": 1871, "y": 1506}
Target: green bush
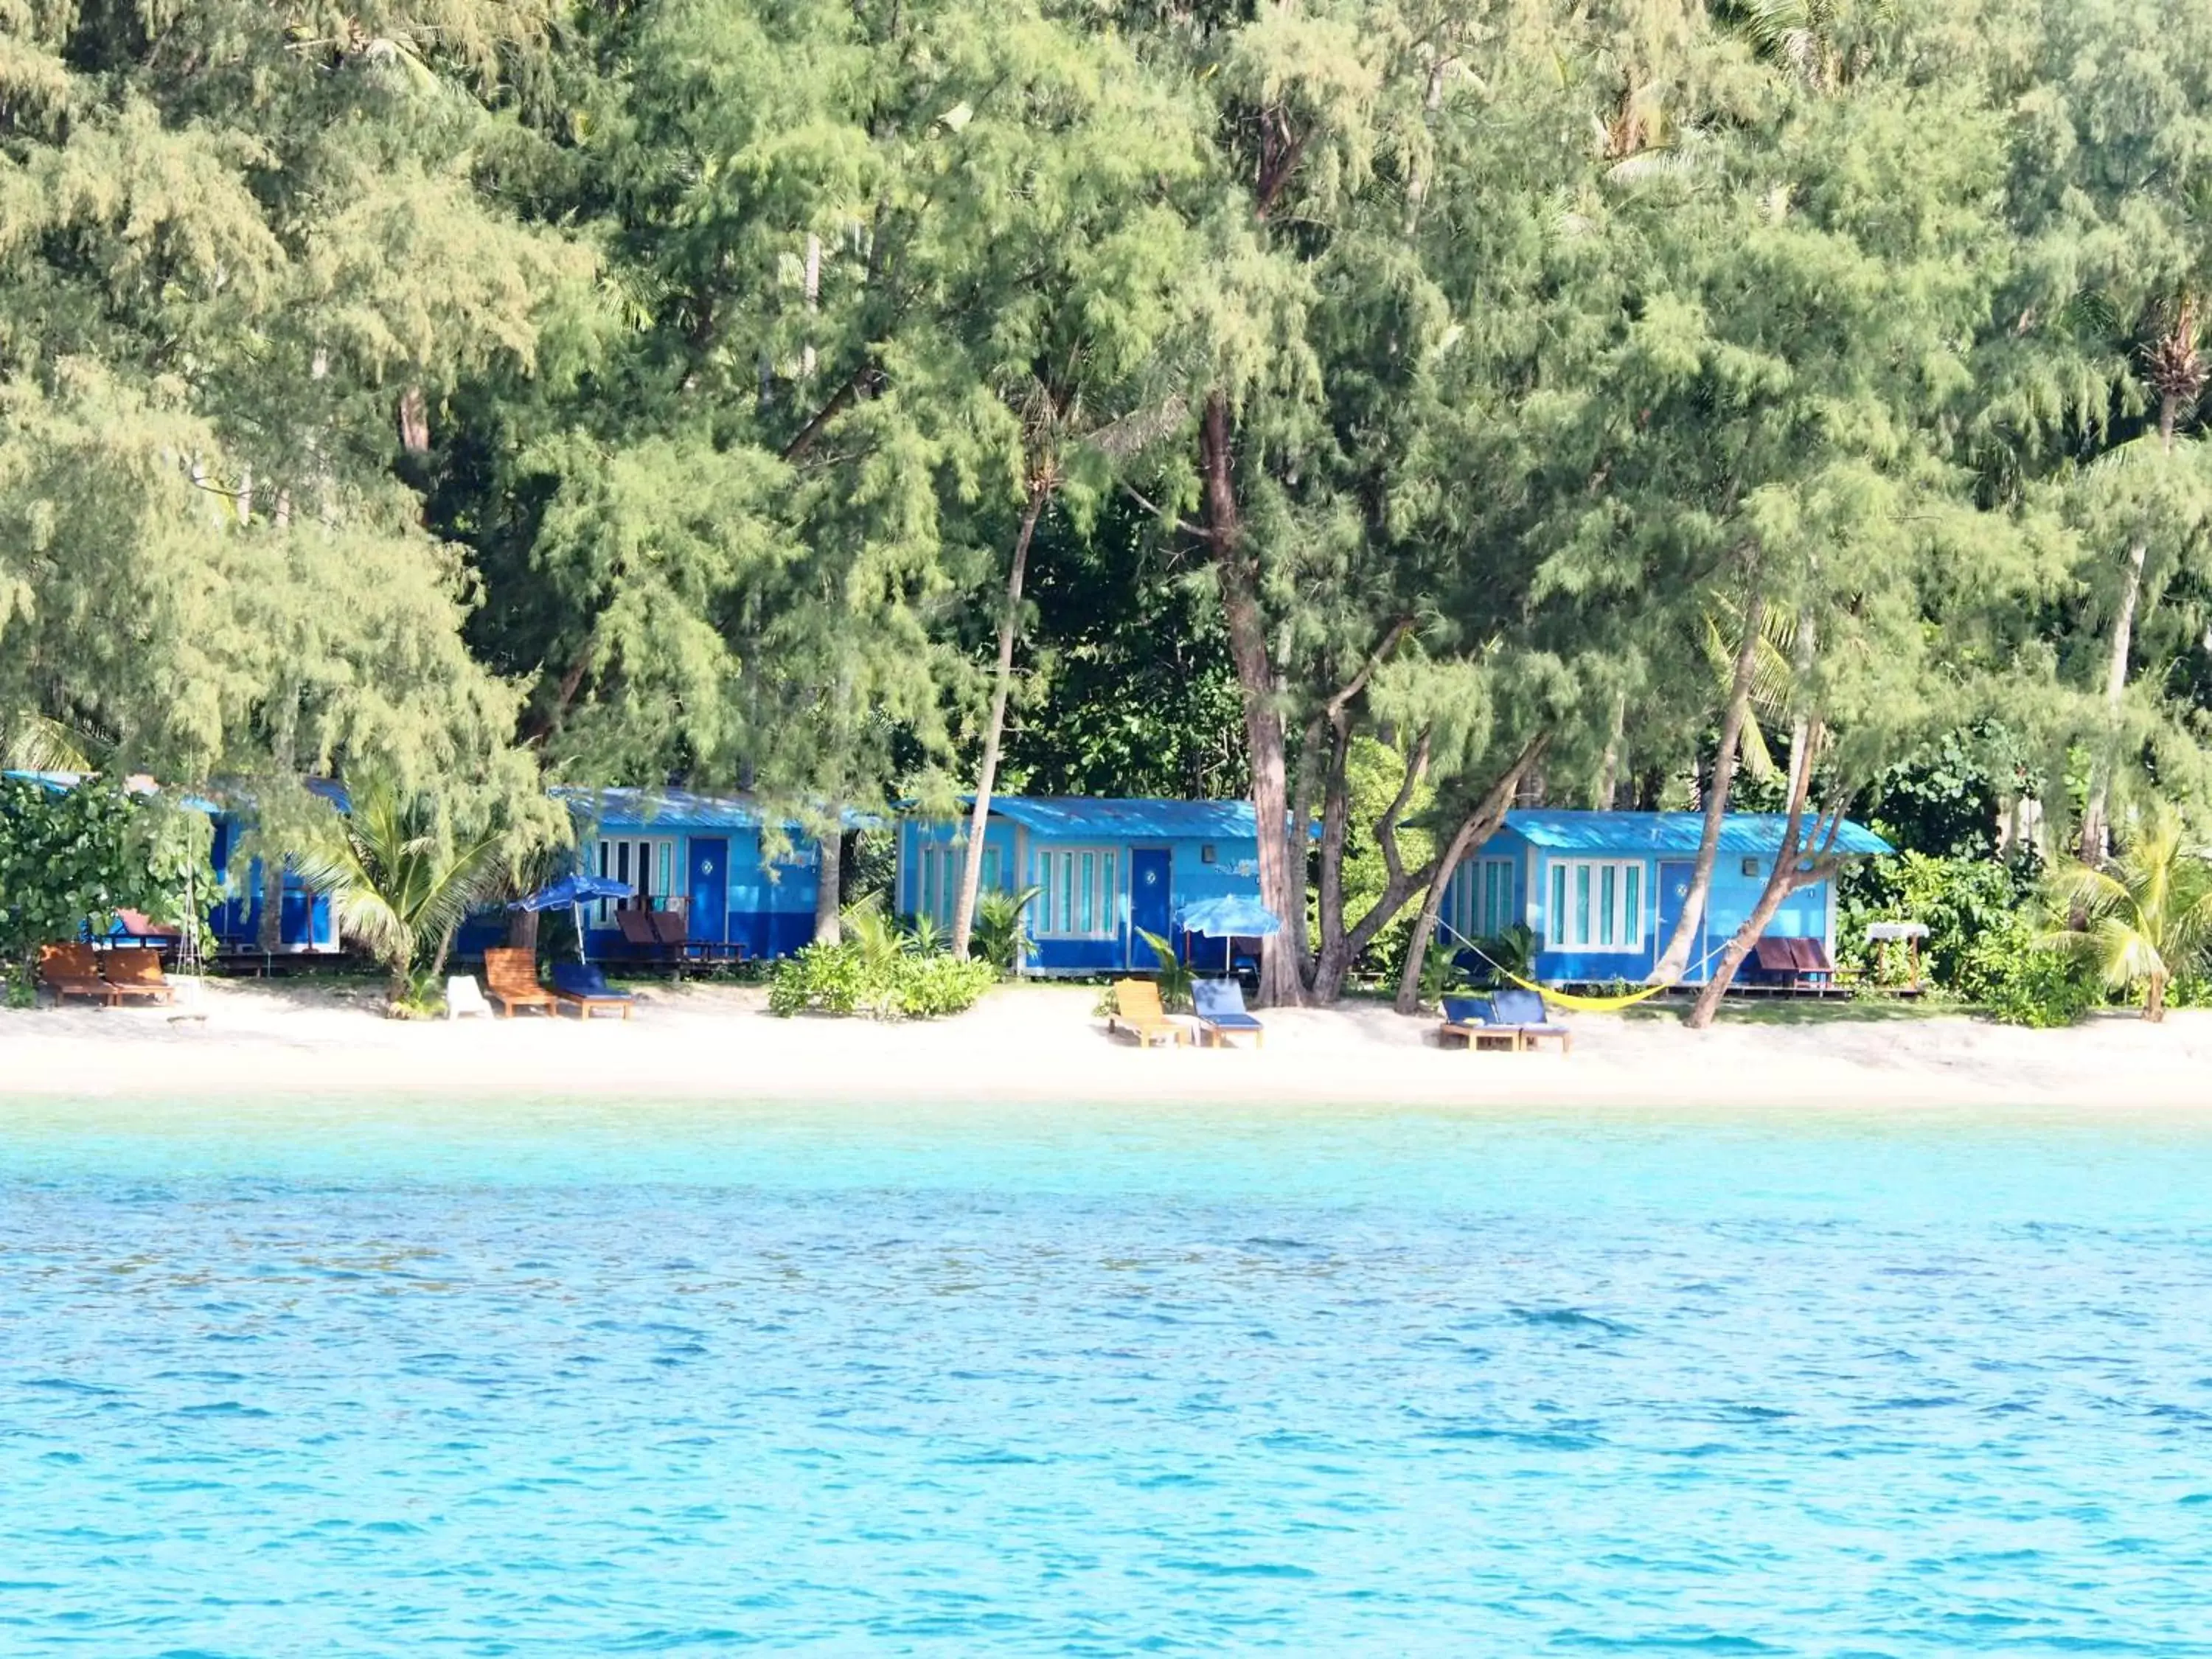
{"x": 2025, "y": 986}
{"x": 1966, "y": 904}
{"x": 849, "y": 979}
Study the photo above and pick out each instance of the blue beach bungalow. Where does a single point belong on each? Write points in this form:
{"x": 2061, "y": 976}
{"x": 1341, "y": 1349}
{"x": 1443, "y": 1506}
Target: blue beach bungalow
{"x": 1602, "y": 891}
{"x": 307, "y": 925}
{"x": 701, "y": 854}
{"x": 1106, "y": 871}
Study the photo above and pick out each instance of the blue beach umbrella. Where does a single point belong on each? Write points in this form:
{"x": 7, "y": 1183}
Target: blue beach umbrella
{"x": 573, "y": 891}
{"x": 1230, "y": 917}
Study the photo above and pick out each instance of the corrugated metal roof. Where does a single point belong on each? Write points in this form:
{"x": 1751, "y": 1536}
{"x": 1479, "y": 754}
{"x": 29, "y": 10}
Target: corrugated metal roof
{"x": 678, "y": 809}
{"x": 1067, "y": 816}
{"x": 1671, "y": 832}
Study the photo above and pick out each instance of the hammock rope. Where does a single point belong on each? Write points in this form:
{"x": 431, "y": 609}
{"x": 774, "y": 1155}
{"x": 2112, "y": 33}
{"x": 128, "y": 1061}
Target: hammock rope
{"x": 1566, "y": 999}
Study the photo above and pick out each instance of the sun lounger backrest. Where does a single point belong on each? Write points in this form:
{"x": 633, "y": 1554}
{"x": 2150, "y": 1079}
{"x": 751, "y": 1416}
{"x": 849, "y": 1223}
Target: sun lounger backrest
{"x": 1810, "y": 955}
{"x": 1773, "y": 956}
{"x": 1469, "y": 1010}
{"x": 1217, "y": 996}
{"x": 57, "y": 961}
{"x": 637, "y": 927}
{"x": 1138, "y": 998}
{"x": 509, "y": 968}
{"x": 1518, "y": 1007}
{"x": 581, "y": 978}
{"x": 669, "y": 927}
{"x": 136, "y": 965}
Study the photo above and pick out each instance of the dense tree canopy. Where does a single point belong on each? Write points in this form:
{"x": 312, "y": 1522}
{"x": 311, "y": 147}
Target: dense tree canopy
{"x": 1582, "y": 400}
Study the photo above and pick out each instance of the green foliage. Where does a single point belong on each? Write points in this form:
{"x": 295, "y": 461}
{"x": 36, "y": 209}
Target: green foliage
{"x": 878, "y": 968}
{"x": 399, "y": 882}
{"x": 1174, "y": 975}
{"x": 1977, "y": 912}
{"x": 1511, "y": 951}
{"x": 2142, "y": 920}
{"x": 1002, "y": 935}
{"x": 2019, "y": 985}
{"x": 847, "y": 979}
{"x": 1441, "y": 974}
{"x": 79, "y": 855}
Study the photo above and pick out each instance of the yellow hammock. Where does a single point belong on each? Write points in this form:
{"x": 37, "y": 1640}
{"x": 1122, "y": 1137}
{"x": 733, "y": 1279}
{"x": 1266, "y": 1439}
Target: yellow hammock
{"x": 1566, "y": 1000}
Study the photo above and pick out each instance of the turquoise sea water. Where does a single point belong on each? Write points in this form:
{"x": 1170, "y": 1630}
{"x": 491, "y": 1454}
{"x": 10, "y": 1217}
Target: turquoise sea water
{"x": 324, "y": 1379}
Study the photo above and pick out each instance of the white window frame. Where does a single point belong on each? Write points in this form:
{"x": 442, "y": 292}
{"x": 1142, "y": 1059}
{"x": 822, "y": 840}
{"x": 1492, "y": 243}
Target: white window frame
{"x": 939, "y": 865}
{"x": 1578, "y": 893}
{"x": 1079, "y": 901}
{"x": 1482, "y": 899}
{"x": 616, "y": 857}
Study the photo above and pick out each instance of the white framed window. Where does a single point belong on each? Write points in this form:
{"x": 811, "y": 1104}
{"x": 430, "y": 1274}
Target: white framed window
{"x": 1597, "y": 904}
{"x": 1482, "y": 899}
{"x": 1082, "y": 895}
{"x": 645, "y": 862}
{"x": 937, "y": 876}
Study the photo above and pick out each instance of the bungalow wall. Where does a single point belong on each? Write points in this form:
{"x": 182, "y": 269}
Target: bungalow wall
{"x": 732, "y": 892}
{"x": 305, "y": 923}
{"x": 1620, "y": 906}
{"x": 1097, "y": 889}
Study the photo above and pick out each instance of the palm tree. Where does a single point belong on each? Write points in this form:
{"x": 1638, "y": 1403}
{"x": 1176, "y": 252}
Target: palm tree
{"x": 398, "y": 884}
{"x": 2145, "y": 916}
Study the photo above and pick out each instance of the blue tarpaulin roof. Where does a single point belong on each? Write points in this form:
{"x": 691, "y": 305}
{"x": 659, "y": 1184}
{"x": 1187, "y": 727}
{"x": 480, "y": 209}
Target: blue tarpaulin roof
{"x": 677, "y": 809}
{"x": 1670, "y": 833}
{"x": 1104, "y": 819}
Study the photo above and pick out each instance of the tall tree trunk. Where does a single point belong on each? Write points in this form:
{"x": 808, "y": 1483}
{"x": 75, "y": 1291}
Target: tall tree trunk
{"x": 1331, "y": 963}
{"x": 1239, "y": 576}
{"x": 270, "y": 936}
{"x": 2095, "y": 844}
{"x": 1477, "y": 827}
{"x": 1675, "y": 960}
{"x": 972, "y": 865}
{"x": 829, "y": 886}
{"x": 2096, "y": 840}
{"x": 1609, "y": 766}
{"x": 522, "y": 930}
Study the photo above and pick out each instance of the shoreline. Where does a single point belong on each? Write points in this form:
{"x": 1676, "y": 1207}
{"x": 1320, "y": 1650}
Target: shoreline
{"x": 1041, "y": 1045}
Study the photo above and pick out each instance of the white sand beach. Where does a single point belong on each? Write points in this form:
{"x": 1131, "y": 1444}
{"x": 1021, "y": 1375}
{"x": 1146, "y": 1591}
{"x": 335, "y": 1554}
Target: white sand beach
{"x": 1043, "y": 1042}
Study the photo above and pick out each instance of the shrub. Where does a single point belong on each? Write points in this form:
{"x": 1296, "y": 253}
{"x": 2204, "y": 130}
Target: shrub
{"x": 1174, "y": 977}
{"x": 2037, "y": 988}
{"x": 849, "y": 979}
{"x": 1002, "y": 934}
{"x": 1965, "y": 902}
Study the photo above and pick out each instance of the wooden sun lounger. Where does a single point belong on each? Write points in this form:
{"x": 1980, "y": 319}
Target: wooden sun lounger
{"x": 1136, "y": 1011}
{"x": 135, "y": 971}
{"x": 1773, "y": 956}
{"x": 511, "y": 983}
{"x": 73, "y": 970}
{"x": 1512, "y": 1020}
{"x": 638, "y": 939}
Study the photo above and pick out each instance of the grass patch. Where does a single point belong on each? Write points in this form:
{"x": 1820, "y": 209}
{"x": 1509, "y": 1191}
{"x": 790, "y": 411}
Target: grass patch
{"x": 1804, "y": 1010}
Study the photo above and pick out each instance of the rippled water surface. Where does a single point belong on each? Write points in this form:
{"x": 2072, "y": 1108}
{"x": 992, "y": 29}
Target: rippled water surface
{"x": 320, "y": 1379}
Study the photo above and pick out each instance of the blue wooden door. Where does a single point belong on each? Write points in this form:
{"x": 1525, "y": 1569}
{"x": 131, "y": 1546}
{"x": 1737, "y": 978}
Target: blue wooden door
{"x": 1149, "y": 906}
{"x": 1674, "y": 880}
{"x": 709, "y": 888}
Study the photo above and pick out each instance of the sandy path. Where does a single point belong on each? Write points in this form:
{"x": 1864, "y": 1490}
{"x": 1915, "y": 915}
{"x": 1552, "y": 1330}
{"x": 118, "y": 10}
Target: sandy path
{"x": 1042, "y": 1042}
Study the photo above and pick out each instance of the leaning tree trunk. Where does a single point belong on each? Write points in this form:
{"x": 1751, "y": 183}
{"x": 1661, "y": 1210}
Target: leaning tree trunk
{"x": 1785, "y": 879}
{"x": 1239, "y": 576}
{"x": 1675, "y": 960}
{"x": 1473, "y": 829}
{"x": 522, "y": 932}
{"x": 829, "y": 886}
{"x": 972, "y": 865}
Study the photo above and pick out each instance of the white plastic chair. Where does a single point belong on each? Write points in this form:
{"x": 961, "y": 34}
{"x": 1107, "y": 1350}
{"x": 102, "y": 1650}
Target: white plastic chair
{"x": 465, "y": 996}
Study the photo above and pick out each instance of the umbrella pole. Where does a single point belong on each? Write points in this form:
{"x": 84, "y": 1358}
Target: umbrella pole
{"x": 576, "y": 920}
